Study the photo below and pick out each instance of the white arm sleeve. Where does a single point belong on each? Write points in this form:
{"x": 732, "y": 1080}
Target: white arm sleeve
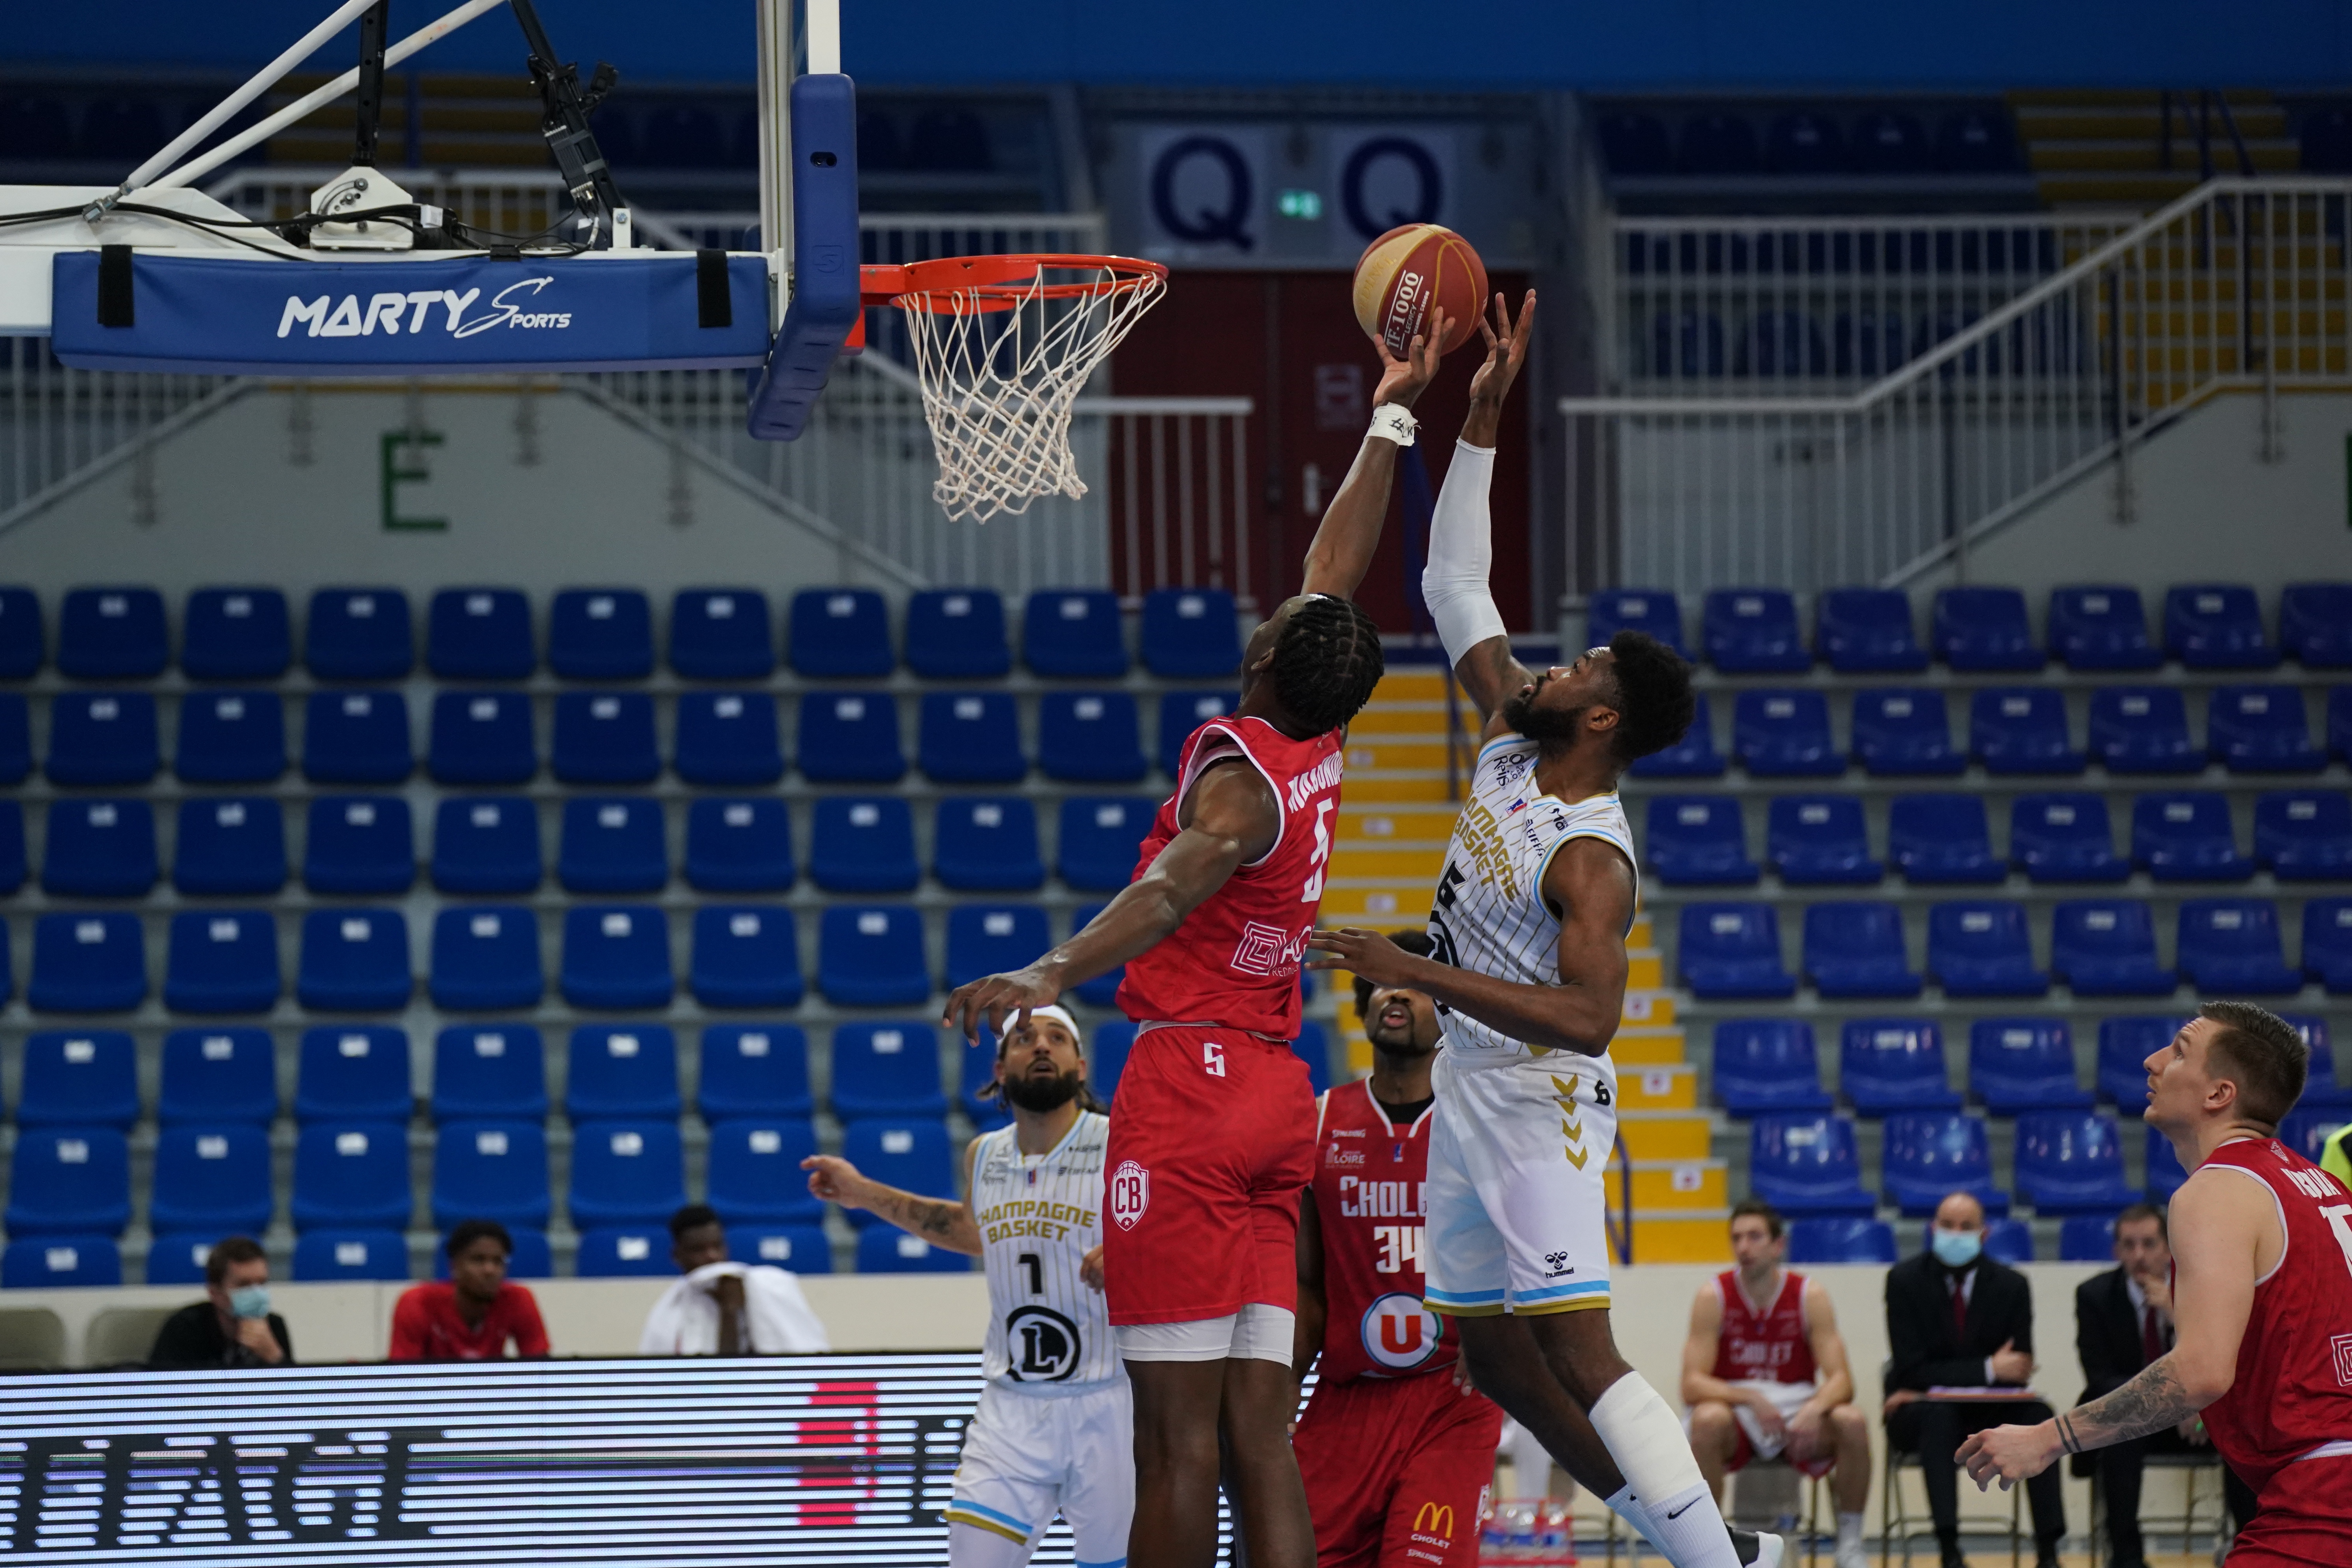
{"x": 1461, "y": 552}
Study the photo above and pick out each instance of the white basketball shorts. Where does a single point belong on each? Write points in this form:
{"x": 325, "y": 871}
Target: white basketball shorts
{"x": 1518, "y": 1211}
{"x": 1028, "y": 1455}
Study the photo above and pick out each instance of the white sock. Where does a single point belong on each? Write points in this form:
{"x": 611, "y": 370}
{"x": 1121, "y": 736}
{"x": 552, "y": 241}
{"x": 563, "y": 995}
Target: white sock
{"x": 1848, "y": 1528}
{"x": 1647, "y": 1443}
{"x": 1625, "y": 1506}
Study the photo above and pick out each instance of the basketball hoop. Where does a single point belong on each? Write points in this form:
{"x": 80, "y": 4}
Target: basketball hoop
{"x": 1003, "y": 346}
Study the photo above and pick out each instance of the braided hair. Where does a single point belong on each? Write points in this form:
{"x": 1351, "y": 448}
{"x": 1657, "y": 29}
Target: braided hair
{"x": 1326, "y": 661}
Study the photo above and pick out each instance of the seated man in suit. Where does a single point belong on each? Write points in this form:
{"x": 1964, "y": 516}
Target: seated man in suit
{"x": 1957, "y": 1319}
{"x": 2123, "y": 1320}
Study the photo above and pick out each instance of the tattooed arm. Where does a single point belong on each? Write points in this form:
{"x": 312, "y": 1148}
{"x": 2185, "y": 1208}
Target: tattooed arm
{"x": 940, "y": 1221}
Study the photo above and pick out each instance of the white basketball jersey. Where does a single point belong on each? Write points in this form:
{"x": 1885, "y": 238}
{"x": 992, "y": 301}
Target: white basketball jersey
{"x": 1490, "y": 916}
{"x": 1039, "y": 1214}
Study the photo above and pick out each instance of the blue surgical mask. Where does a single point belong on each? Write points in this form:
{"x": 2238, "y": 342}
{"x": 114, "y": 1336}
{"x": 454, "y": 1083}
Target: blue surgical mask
{"x": 249, "y": 1301}
{"x": 1955, "y": 1248}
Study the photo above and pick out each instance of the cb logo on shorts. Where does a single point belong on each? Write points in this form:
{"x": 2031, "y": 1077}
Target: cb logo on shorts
{"x": 1398, "y": 1333}
{"x": 1130, "y": 1193}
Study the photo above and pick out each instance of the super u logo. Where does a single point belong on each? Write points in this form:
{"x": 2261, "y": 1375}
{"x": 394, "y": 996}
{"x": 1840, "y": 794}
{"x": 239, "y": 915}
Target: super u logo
{"x": 1130, "y": 1193}
{"x": 1398, "y": 1333}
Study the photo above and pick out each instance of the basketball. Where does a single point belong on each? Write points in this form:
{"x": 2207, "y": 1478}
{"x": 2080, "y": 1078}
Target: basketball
{"x": 1405, "y": 270}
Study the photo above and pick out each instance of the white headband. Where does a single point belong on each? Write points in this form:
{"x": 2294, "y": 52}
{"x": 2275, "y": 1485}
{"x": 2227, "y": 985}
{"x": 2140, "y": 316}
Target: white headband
{"x": 1060, "y": 1015}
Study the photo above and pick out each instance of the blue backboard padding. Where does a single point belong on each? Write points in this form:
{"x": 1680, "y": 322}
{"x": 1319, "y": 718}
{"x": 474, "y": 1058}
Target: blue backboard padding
{"x": 825, "y": 300}
{"x": 598, "y": 312}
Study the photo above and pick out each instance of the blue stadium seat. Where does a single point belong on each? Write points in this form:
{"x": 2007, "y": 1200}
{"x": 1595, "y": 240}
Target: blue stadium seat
{"x": 179, "y": 1259}
{"x": 2021, "y": 730}
{"x": 101, "y": 738}
{"x": 616, "y": 956}
{"x": 15, "y": 738}
{"x": 1691, "y": 757}
{"x": 68, "y": 1180}
{"x": 1102, "y": 991}
{"x": 2217, "y": 625}
{"x": 1753, "y": 631}
{"x": 1984, "y": 628}
{"x": 1107, "y": 1051}
{"x": 358, "y": 844}
{"x": 1073, "y": 634}
{"x": 907, "y": 1152}
{"x": 2261, "y": 729}
{"x": 218, "y": 1076}
{"x": 2320, "y": 1090}
{"x": 863, "y": 844}
{"x": 2065, "y": 836}
{"x": 1941, "y": 839}
{"x": 2303, "y": 835}
{"x": 1978, "y": 141}
{"x": 970, "y": 737}
{"x": 1089, "y": 736}
{"x": 1819, "y": 841}
{"x": 2143, "y": 730}
{"x": 24, "y": 645}
{"x": 1889, "y": 1065}
{"x": 486, "y": 959}
{"x": 2017, "y": 1065}
{"x": 799, "y": 1248}
{"x": 1732, "y": 952}
{"x": 1181, "y": 713}
{"x": 354, "y": 1074}
{"x": 738, "y": 846}
{"x": 872, "y": 956}
{"x": 359, "y": 634}
{"x": 112, "y": 633}
{"x": 613, "y": 845}
{"x": 2164, "y": 1172}
{"x": 957, "y": 634}
{"x": 352, "y": 1175}
{"x": 746, "y": 955}
{"x": 230, "y": 737}
{"x": 887, "y": 1069}
{"x": 1855, "y": 949}
{"x": 356, "y": 737}
{"x": 1784, "y": 734}
{"x": 2340, "y": 722}
{"x": 1931, "y": 1154}
{"x": 212, "y": 1179}
{"x": 490, "y": 1072}
{"x": 977, "y": 1072}
{"x": 2125, "y": 1045}
{"x": 81, "y": 1078}
{"x": 2230, "y": 947}
{"x": 991, "y": 938}
{"x": 849, "y": 738}
{"x": 222, "y": 961}
{"x": 1697, "y": 840}
{"x": 1980, "y": 947}
{"x": 722, "y": 634}
{"x": 1866, "y": 631}
{"x": 2106, "y": 947}
{"x": 88, "y": 964}
{"x": 2096, "y": 628}
{"x": 1313, "y": 1046}
{"x": 601, "y": 634}
{"x": 1822, "y": 1239}
{"x": 605, "y": 737}
{"x": 489, "y": 1170}
{"x": 2071, "y": 1163}
{"x": 1766, "y": 1066}
{"x": 2307, "y": 1129}
{"x": 2087, "y": 1238}
{"x": 62, "y": 1263}
{"x": 12, "y": 868}
{"x": 988, "y": 844}
{"x": 728, "y": 738}
{"x": 1807, "y": 1165}
{"x": 840, "y": 631}
{"x": 1900, "y": 732}
{"x": 624, "y": 1251}
{"x": 753, "y": 1069}
{"x": 532, "y": 1258}
{"x": 354, "y": 961}
{"x": 235, "y": 634}
{"x": 2187, "y": 837}
{"x": 626, "y": 1172}
{"x": 1651, "y": 610}
{"x": 479, "y": 634}
{"x": 887, "y": 1249}
{"x": 2327, "y": 944}
{"x": 2008, "y": 1241}
{"x": 615, "y": 1072}
{"x": 355, "y": 1255}
{"x": 1191, "y": 634}
{"x": 485, "y": 844}
{"x": 482, "y": 738}
{"x": 1099, "y": 837}
{"x": 99, "y": 849}
{"x": 755, "y": 1172}
{"x": 2315, "y": 624}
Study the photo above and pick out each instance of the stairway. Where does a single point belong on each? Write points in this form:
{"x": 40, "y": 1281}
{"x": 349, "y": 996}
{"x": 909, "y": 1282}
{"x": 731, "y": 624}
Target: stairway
{"x": 1395, "y": 819}
{"x": 2109, "y": 148}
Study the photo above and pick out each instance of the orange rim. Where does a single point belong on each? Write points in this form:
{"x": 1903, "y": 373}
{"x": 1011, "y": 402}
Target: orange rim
{"x": 964, "y": 283}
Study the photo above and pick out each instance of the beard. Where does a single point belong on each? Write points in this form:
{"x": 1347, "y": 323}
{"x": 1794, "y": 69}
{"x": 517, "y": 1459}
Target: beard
{"x": 1540, "y": 723}
{"x": 1042, "y": 1093}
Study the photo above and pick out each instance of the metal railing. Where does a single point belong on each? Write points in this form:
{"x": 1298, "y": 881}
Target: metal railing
{"x": 2239, "y": 286}
{"x": 60, "y": 427}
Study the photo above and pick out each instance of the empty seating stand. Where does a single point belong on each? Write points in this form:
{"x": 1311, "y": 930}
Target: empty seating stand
{"x": 2217, "y": 625}
{"x": 2315, "y": 624}
{"x": 2187, "y": 837}
{"x": 231, "y": 737}
{"x": 357, "y": 844}
{"x": 1867, "y": 631}
{"x": 1855, "y": 949}
{"x": 2230, "y": 947}
{"x": 1073, "y": 634}
{"x": 1191, "y": 634}
{"x": 1099, "y": 837}
{"x": 354, "y": 961}
{"x": 2125, "y": 1045}
{"x": 600, "y": 634}
{"x": 222, "y": 961}
{"x": 1731, "y": 952}
{"x": 728, "y": 738}
{"x": 2019, "y": 1064}
{"x": 1901, "y": 733}
{"x": 2106, "y": 947}
{"x": 957, "y": 634}
{"x": 753, "y": 1070}
{"x": 486, "y": 959}
{"x": 99, "y": 849}
{"x": 480, "y": 633}
{"x": 1984, "y": 629}
{"x": 2071, "y": 1163}
{"x": 838, "y": 633}
{"x": 1785, "y": 734}
{"x": 2143, "y": 730}
{"x": 2021, "y": 730}
{"x": 1808, "y": 1165}
{"x": 722, "y": 634}
{"x": 1931, "y": 1155}
{"x": 1087, "y": 737}
{"x": 1942, "y": 839}
{"x": 746, "y": 956}
{"x": 616, "y": 956}
{"x": 482, "y": 738}
{"x": 605, "y": 736}
{"x": 101, "y": 738}
{"x": 112, "y": 633}
{"x": 1651, "y": 610}
{"x": 616, "y": 1072}
{"x": 1764, "y": 1066}
{"x": 2303, "y": 835}
{"x": 2100, "y": 628}
{"x": 79, "y": 1078}
{"x": 738, "y": 846}
{"x": 990, "y": 845}
{"x": 1819, "y": 840}
{"x": 872, "y": 956}
{"x": 1889, "y": 1065}
{"x": 970, "y": 737}
{"x": 353, "y": 1175}
{"x": 612, "y": 844}
{"x": 849, "y": 738}
{"x": 1691, "y": 757}
{"x": 1697, "y": 840}
{"x": 1752, "y": 631}
{"x": 489, "y": 1071}
{"x": 359, "y": 634}
{"x": 1982, "y": 949}
{"x": 218, "y": 1076}
{"x": 485, "y": 844}
{"x": 235, "y": 634}
{"x": 2261, "y": 729}
{"x": 864, "y": 845}
{"x": 24, "y": 642}
{"x": 1181, "y": 713}
{"x": 2064, "y": 837}
{"x": 356, "y": 737}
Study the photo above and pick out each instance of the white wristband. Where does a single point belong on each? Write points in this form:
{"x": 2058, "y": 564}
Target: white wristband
{"x": 1393, "y": 422}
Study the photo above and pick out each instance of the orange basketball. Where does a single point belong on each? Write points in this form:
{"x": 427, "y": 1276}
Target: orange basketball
{"x": 1406, "y": 271}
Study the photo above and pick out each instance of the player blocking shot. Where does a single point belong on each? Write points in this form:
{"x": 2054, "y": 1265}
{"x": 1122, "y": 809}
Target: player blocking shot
{"x": 1053, "y": 1431}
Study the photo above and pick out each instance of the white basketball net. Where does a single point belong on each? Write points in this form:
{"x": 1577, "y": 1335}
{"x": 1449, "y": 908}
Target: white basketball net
{"x": 999, "y": 384}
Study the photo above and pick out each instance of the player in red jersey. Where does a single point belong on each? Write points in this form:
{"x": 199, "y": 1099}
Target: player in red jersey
{"x": 2261, "y": 1294}
{"x": 1212, "y": 1133}
{"x": 1396, "y": 1453}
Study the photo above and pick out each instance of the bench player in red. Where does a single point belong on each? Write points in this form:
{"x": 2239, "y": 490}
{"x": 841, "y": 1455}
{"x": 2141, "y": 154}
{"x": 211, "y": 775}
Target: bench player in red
{"x": 1212, "y": 1133}
{"x": 2262, "y": 1296}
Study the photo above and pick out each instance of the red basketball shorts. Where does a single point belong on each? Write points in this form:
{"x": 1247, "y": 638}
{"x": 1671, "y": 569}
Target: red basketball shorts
{"x": 1397, "y": 1471}
{"x": 1211, "y": 1141}
{"x": 2305, "y": 1519}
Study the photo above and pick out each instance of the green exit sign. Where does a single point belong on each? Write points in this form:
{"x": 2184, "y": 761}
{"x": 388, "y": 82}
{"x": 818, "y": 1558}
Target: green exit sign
{"x": 1308, "y": 205}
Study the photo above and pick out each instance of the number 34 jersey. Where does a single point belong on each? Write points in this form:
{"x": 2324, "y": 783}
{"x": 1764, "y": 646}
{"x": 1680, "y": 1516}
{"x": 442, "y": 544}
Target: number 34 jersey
{"x": 1370, "y": 1211}
{"x": 1039, "y": 1214}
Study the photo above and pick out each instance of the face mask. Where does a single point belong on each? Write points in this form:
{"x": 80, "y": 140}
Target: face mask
{"x": 249, "y": 1301}
{"x": 1955, "y": 1248}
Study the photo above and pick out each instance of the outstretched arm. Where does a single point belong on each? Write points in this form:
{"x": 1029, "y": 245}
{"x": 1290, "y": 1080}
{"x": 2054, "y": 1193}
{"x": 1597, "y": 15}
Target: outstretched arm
{"x": 1341, "y": 551}
{"x": 942, "y": 1222}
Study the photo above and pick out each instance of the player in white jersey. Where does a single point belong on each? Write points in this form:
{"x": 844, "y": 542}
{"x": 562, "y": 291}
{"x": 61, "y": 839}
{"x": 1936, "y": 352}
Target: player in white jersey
{"x": 1056, "y": 1428}
{"x": 1529, "y": 972}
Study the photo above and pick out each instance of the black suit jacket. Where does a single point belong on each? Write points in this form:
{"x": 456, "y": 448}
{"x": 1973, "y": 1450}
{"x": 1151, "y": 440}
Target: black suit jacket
{"x": 1919, "y": 1330}
{"x": 2106, "y": 1334}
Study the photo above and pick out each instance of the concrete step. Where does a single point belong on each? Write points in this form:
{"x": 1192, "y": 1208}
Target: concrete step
{"x": 1699, "y": 1237}
{"x": 1668, "y": 1185}
{"x": 1647, "y": 1044}
{"x": 1675, "y": 1136}
{"x": 2142, "y": 155}
{"x": 2145, "y": 123}
{"x": 1657, "y": 1087}
{"x": 1399, "y": 786}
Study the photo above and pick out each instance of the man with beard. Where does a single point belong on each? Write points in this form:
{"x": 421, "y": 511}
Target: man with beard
{"x": 1056, "y": 1427}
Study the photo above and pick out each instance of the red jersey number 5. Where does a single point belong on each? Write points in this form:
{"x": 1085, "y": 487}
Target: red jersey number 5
{"x": 1315, "y": 866}
{"x": 1213, "y": 1058}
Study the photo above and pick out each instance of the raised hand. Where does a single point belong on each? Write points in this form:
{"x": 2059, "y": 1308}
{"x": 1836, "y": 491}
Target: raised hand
{"x": 835, "y": 1180}
{"x": 1507, "y": 349}
{"x": 993, "y": 998}
{"x": 1403, "y": 380}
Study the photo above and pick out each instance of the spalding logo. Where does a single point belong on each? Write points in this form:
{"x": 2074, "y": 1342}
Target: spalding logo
{"x": 1398, "y": 1333}
{"x": 1130, "y": 1193}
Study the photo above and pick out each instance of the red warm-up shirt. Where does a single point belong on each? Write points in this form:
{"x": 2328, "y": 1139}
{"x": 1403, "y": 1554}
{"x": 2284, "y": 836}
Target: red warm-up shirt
{"x": 425, "y": 1325}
